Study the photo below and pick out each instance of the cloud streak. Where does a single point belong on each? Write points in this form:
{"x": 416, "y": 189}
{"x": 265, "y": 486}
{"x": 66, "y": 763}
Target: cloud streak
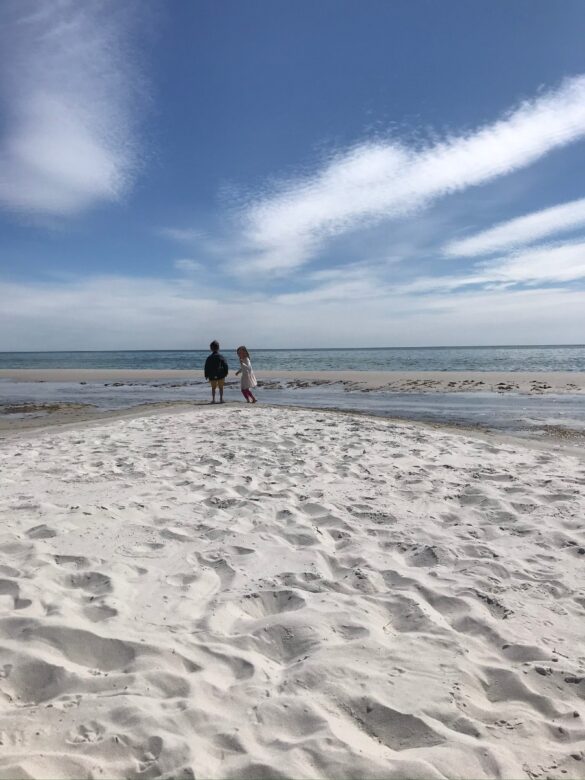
{"x": 545, "y": 264}
{"x": 522, "y": 230}
{"x": 284, "y": 229}
{"x": 539, "y": 265}
{"x": 187, "y": 265}
{"x": 70, "y": 92}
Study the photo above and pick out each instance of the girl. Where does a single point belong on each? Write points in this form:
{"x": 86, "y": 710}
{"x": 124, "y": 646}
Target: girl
{"x": 248, "y": 380}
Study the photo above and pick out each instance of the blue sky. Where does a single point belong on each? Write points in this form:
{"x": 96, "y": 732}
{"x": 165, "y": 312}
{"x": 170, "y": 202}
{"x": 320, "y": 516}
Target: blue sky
{"x": 329, "y": 173}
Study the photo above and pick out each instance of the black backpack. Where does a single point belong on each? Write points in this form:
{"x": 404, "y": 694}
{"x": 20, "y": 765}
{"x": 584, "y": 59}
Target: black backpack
{"x": 217, "y": 366}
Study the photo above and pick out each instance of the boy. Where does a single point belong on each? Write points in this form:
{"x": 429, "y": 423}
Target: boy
{"x": 216, "y": 370}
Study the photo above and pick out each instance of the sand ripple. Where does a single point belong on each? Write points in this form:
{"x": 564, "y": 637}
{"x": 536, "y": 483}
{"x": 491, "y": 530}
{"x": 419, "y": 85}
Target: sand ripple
{"x": 272, "y": 593}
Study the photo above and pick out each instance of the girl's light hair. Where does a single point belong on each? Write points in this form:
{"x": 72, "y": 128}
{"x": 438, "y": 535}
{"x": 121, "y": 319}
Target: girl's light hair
{"x": 244, "y": 350}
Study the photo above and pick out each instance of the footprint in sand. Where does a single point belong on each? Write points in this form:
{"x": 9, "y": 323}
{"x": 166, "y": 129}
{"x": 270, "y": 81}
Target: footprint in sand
{"x": 503, "y": 685}
{"x": 93, "y": 582}
{"x": 224, "y": 668}
{"x": 338, "y": 535}
{"x": 12, "y": 590}
{"x": 494, "y": 607}
{"x": 407, "y": 615}
{"x": 283, "y": 644}
{"x": 86, "y": 732}
{"x": 424, "y": 557}
{"x": 85, "y": 647}
{"x": 176, "y": 536}
{"x": 351, "y": 632}
{"x": 238, "y": 550}
{"x": 313, "y": 509}
{"x": 518, "y": 652}
{"x": 71, "y": 561}
{"x": 41, "y": 532}
{"x": 182, "y": 580}
{"x": 142, "y": 550}
{"x": 264, "y": 603}
{"x": 8, "y": 571}
{"x": 397, "y": 730}
{"x": 97, "y": 613}
{"x": 221, "y": 568}
{"x": 35, "y": 681}
{"x": 24, "y": 503}
{"x": 300, "y": 537}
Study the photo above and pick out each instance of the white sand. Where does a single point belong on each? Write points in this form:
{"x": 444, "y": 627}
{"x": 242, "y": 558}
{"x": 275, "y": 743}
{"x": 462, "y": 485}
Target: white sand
{"x": 249, "y": 592}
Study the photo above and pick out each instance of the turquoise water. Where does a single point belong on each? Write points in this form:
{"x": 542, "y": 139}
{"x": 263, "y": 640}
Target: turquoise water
{"x": 544, "y": 358}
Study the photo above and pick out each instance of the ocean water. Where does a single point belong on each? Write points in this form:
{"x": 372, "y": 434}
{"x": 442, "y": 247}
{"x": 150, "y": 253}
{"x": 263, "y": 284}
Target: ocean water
{"x": 511, "y": 412}
{"x": 544, "y": 358}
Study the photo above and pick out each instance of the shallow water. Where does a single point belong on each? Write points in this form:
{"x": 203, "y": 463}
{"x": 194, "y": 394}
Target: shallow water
{"x": 508, "y": 412}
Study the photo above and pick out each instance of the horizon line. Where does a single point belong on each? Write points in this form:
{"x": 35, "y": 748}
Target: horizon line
{"x": 291, "y": 349}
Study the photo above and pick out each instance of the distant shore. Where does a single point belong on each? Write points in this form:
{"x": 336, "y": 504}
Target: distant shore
{"x": 529, "y": 382}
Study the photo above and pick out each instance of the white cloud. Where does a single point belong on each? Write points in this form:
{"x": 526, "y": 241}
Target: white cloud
{"x": 556, "y": 264}
{"x": 110, "y": 312}
{"x": 119, "y": 312}
{"x": 563, "y": 263}
{"x": 346, "y": 287}
{"x": 351, "y": 283}
{"x": 70, "y": 93}
{"x": 282, "y": 230}
{"x": 187, "y": 265}
{"x": 522, "y": 230}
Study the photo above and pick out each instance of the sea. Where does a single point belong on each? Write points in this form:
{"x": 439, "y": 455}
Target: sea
{"x": 509, "y": 358}
{"x": 533, "y": 416}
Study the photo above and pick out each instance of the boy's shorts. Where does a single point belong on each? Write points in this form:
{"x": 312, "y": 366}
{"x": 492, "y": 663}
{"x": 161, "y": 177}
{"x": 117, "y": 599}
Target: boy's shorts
{"x": 215, "y": 383}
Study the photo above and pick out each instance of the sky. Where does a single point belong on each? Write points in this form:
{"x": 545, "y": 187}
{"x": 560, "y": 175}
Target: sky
{"x": 289, "y": 173}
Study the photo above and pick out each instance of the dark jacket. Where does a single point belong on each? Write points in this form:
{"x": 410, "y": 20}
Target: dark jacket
{"x": 216, "y": 366}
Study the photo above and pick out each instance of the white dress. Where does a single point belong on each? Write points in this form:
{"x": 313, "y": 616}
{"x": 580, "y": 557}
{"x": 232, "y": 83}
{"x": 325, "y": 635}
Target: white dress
{"x": 248, "y": 379}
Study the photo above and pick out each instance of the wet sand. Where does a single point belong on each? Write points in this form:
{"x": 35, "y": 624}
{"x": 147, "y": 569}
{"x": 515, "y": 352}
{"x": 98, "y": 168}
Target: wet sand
{"x": 534, "y": 382}
{"x": 35, "y": 416}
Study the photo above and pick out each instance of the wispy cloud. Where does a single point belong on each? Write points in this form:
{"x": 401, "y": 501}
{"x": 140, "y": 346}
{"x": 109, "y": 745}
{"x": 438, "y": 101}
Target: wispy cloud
{"x": 348, "y": 284}
{"x": 121, "y": 312}
{"x": 539, "y": 265}
{"x": 563, "y": 263}
{"x": 187, "y": 265}
{"x": 522, "y": 230}
{"x": 70, "y": 91}
{"x": 285, "y": 228}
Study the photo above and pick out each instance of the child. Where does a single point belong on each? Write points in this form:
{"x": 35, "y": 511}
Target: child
{"x": 216, "y": 370}
{"x": 248, "y": 380}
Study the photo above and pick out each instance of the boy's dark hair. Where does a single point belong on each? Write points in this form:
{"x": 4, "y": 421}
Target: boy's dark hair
{"x": 214, "y": 346}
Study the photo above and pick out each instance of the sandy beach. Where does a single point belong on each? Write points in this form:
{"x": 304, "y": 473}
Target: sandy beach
{"x": 528, "y": 382}
{"x": 261, "y": 592}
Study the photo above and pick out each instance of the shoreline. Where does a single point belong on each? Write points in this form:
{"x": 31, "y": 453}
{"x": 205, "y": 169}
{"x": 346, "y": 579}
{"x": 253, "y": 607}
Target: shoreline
{"x": 560, "y": 440}
{"x": 523, "y": 382}
{"x": 70, "y": 416}
{"x": 547, "y": 408}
